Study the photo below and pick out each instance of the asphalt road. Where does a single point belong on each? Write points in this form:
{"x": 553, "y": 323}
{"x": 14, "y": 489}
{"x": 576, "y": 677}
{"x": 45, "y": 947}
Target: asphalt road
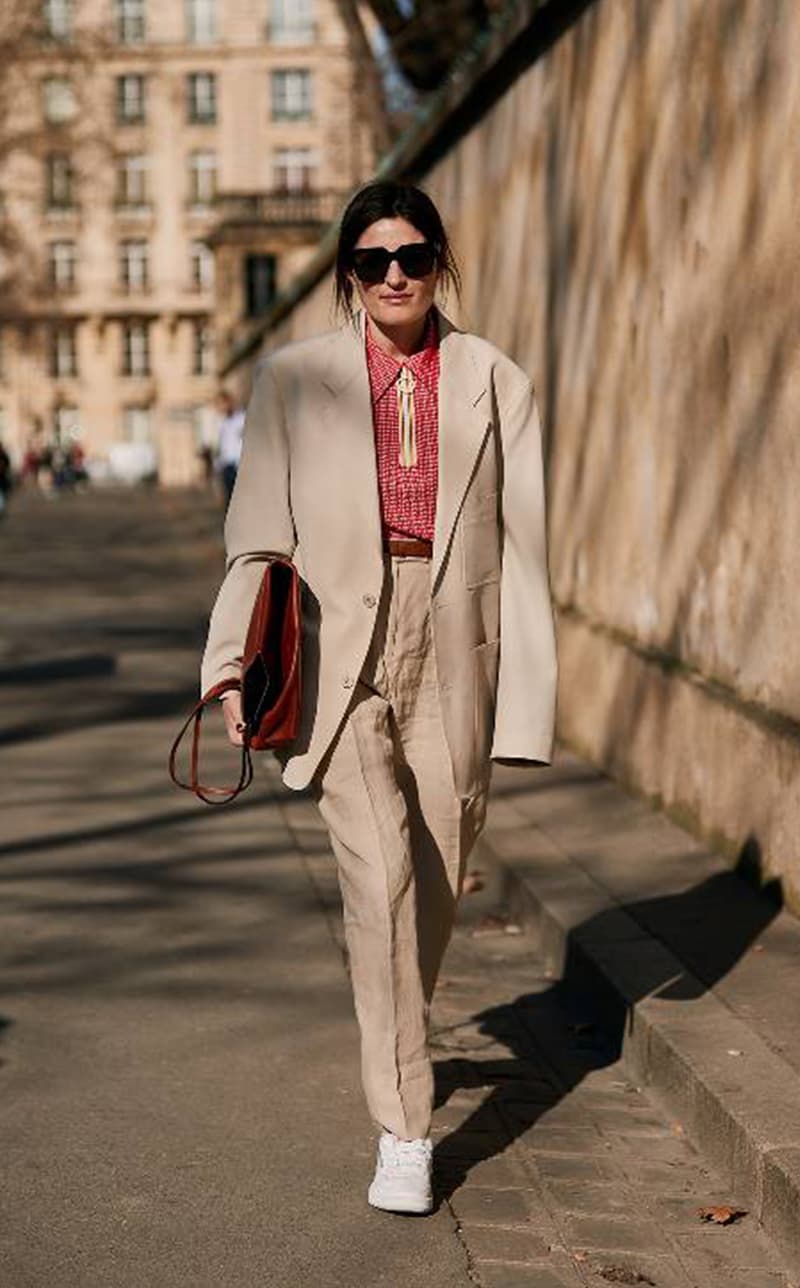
{"x": 180, "y": 1103}
{"x": 180, "y": 1093}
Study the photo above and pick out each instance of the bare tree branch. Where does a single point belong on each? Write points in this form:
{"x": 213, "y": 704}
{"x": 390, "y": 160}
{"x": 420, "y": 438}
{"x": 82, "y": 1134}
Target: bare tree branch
{"x": 368, "y": 80}
{"x": 426, "y": 42}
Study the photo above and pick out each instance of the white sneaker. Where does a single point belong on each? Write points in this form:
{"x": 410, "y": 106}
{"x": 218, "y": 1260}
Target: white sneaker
{"x": 402, "y": 1181}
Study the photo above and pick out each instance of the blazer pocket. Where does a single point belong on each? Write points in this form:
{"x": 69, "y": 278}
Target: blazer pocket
{"x": 481, "y": 541}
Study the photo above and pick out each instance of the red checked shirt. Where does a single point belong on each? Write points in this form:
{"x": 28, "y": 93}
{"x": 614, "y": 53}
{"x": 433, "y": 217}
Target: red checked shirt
{"x": 407, "y": 493}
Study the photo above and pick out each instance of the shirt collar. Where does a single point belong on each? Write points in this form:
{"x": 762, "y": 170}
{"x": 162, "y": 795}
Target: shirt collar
{"x": 384, "y": 369}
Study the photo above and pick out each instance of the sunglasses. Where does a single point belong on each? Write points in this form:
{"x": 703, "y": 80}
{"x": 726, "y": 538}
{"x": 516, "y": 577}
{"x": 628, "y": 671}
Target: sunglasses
{"x": 371, "y": 264}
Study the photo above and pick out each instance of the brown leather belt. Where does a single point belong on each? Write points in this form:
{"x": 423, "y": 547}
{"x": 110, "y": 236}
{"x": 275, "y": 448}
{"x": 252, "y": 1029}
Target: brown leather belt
{"x": 411, "y": 547}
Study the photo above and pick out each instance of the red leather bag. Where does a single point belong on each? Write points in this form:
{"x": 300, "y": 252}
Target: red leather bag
{"x": 269, "y": 683}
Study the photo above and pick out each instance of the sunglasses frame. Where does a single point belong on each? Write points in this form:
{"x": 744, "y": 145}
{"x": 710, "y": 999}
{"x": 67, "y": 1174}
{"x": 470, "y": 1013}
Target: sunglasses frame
{"x": 391, "y": 255}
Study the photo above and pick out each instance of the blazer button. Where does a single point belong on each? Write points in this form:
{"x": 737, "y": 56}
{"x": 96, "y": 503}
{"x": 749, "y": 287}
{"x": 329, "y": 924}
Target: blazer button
{"x": 348, "y": 682}
{"x": 369, "y": 600}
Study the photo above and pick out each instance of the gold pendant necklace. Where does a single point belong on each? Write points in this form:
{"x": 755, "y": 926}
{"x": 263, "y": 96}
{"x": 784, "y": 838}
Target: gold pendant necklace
{"x": 406, "y": 382}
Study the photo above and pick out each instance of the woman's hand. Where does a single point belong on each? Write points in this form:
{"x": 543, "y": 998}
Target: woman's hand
{"x": 232, "y": 711}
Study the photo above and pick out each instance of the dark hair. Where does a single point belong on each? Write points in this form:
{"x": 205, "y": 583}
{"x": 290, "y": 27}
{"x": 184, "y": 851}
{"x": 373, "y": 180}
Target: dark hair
{"x": 388, "y": 199}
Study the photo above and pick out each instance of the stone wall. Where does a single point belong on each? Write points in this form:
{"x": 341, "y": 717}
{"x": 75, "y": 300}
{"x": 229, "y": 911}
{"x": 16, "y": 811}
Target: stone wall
{"x": 626, "y": 217}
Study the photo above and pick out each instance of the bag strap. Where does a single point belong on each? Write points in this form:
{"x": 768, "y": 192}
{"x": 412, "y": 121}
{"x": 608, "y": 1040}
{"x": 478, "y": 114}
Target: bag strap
{"x": 203, "y": 792}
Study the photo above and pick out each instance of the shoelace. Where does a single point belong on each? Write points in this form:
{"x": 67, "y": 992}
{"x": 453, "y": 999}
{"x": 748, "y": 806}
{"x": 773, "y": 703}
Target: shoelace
{"x": 404, "y": 1153}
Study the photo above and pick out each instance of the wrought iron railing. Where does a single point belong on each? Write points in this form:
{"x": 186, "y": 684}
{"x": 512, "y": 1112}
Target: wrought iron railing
{"x": 281, "y": 206}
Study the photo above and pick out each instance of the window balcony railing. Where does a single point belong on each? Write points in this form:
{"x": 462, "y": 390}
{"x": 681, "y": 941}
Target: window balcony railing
{"x": 292, "y": 33}
{"x": 292, "y": 113}
{"x": 281, "y": 206}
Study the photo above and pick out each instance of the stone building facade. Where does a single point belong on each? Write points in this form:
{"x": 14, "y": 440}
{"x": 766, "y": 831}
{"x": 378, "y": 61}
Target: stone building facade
{"x": 140, "y": 124}
{"x": 625, "y": 217}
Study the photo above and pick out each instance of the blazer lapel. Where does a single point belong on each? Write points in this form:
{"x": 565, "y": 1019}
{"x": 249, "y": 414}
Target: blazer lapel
{"x": 464, "y": 417}
{"x": 349, "y": 414}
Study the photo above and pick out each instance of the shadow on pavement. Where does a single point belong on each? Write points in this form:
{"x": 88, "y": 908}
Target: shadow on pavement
{"x": 582, "y": 1031}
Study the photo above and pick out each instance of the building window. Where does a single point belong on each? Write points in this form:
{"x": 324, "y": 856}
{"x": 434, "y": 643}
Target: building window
{"x": 259, "y": 283}
{"x": 136, "y": 426}
{"x": 292, "y": 22}
{"x": 59, "y": 181}
{"x": 291, "y": 94}
{"x": 202, "y": 178}
{"x": 58, "y": 100}
{"x": 130, "y": 99}
{"x": 63, "y": 353}
{"x": 130, "y": 21}
{"x": 58, "y": 19}
{"x": 203, "y": 349}
{"x": 201, "y": 97}
{"x": 136, "y": 349}
{"x": 294, "y": 169}
{"x": 132, "y": 180}
{"x": 62, "y": 265}
{"x": 201, "y": 21}
{"x": 201, "y": 264}
{"x": 133, "y": 266}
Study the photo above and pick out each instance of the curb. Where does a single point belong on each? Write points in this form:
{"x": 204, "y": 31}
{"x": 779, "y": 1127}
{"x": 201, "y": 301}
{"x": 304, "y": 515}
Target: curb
{"x": 737, "y": 1100}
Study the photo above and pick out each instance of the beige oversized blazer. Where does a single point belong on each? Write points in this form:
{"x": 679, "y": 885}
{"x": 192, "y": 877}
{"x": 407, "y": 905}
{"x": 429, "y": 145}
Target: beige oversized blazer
{"x": 307, "y": 489}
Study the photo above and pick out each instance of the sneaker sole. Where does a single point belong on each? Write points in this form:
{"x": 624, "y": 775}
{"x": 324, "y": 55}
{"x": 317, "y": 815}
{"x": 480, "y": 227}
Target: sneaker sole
{"x": 406, "y": 1204}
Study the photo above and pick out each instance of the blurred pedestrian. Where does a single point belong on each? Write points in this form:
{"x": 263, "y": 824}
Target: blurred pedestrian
{"x": 36, "y": 457}
{"x": 6, "y": 479}
{"x": 400, "y": 459}
{"x": 229, "y": 441}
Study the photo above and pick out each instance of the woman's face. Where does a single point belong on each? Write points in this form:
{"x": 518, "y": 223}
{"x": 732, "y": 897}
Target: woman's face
{"x": 397, "y": 299}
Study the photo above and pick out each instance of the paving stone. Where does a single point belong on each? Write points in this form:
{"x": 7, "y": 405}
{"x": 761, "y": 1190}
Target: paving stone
{"x": 482, "y": 1206}
{"x": 691, "y": 1176}
{"x": 748, "y": 1279}
{"x": 601, "y": 1269}
{"x": 494, "y": 1173}
{"x": 667, "y": 1149}
{"x": 591, "y": 1199}
{"x": 681, "y": 1210}
{"x": 540, "y": 1274}
{"x": 472, "y": 1145}
{"x": 710, "y": 1253}
{"x": 610, "y": 1232}
{"x": 585, "y": 1141}
{"x": 492, "y": 1244}
{"x": 576, "y": 1167}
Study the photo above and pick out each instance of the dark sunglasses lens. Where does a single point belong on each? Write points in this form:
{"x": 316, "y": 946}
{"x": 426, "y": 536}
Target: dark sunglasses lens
{"x": 416, "y": 259}
{"x": 370, "y": 266}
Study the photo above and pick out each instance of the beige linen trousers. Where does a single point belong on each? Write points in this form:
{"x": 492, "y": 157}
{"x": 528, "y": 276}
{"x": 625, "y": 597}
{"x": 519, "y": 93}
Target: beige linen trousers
{"x": 416, "y": 673}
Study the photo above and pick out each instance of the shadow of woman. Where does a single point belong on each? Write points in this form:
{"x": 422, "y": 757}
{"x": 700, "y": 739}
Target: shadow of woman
{"x": 559, "y": 1034}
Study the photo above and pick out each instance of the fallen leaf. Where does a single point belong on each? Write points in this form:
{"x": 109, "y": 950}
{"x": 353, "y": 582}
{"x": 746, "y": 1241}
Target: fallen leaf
{"x": 623, "y": 1275}
{"x": 722, "y": 1214}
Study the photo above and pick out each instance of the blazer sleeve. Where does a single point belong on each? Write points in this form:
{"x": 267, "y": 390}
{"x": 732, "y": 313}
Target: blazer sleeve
{"x": 258, "y": 526}
{"x": 527, "y": 675}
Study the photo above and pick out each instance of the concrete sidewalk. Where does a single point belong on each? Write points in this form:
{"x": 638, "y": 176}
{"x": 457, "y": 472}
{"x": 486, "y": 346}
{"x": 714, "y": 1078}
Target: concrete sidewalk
{"x": 695, "y": 972}
{"x": 180, "y": 1091}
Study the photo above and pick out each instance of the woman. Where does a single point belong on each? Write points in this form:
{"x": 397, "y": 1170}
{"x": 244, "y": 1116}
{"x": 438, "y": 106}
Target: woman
{"x": 397, "y": 462}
